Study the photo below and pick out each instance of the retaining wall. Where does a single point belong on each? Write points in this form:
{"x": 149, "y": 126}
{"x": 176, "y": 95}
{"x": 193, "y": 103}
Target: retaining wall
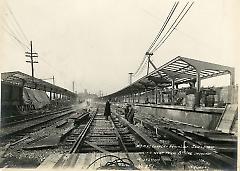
{"x": 204, "y": 118}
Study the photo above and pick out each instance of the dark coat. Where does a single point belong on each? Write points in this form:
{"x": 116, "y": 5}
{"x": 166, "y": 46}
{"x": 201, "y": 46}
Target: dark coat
{"x": 131, "y": 115}
{"x": 107, "y": 111}
{"x": 126, "y": 112}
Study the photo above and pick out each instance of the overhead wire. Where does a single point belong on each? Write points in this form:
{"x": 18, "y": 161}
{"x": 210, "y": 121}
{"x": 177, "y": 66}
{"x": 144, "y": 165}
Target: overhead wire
{"x": 22, "y": 45}
{"x": 11, "y": 26}
{"x": 158, "y": 35}
{"x": 26, "y": 38}
{"x": 140, "y": 66}
{"x": 13, "y": 31}
{"x": 17, "y": 23}
{"x": 167, "y": 34}
{"x": 164, "y": 25}
{"x": 160, "y": 43}
{"x": 170, "y": 27}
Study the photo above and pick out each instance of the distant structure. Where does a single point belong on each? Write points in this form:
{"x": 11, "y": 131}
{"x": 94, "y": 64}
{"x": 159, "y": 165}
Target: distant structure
{"x": 86, "y": 95}
{"x": 85, "y": 91}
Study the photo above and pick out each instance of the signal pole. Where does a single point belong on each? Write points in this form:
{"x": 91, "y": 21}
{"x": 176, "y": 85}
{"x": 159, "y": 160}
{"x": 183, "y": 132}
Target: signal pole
{"x": 31, "y": 55}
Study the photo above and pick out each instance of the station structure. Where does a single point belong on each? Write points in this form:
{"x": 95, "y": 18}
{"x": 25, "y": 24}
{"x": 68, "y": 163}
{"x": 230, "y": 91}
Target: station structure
{"x": 164, "y": 120}
{"x": 169, "y": 77}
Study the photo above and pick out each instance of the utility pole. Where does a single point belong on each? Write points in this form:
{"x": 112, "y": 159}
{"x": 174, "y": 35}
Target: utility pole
{"x": 73, "y": 86}
{"x": 149, "y": 60}
{"x": 130, "y": 77}
{"x": 53, "y": 79}
{"x": 31, "y": 55}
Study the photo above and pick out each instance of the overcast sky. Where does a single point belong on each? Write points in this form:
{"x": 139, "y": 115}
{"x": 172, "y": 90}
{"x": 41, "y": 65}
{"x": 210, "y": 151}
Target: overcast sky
{"x": 96, "y": 43}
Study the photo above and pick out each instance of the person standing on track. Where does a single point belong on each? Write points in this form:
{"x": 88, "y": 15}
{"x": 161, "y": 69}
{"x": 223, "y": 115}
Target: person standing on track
{"x": 107, "y": 111}
{"x": 130, "y": 115}
{"x": 126, "y": 111}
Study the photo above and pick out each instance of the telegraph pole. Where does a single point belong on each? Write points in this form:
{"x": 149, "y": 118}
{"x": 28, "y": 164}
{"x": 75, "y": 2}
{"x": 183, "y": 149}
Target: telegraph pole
{"x": 31, "y": 55}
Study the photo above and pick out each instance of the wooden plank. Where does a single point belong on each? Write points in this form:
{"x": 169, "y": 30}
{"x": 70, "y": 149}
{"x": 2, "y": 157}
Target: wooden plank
{"x": 88, "y": 160}
{"x": 138, "y": 161}
{"x": 97, "y": 147}
{"x": 61, "y": 161}
{"x": 71, "y": 161}
{"x": 98, "y": 163}
{"x": 122, "y": 155}
{"x": 47, "y": 142}
{"x": 50, "y": 161}
{"x": 227, "y": 118}
{"x": 80, "y": 162}
{"x": 103, "y": 160}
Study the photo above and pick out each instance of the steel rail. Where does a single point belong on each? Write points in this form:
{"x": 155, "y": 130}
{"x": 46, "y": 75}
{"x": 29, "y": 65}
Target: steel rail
{"x": 218, "y": 160}
{"x": 164, "y": 154}
{"x": 215, "y": 158}
{"x": 41, "y": 121}
{"x": 33, "y": 117}
{"x": 82, "y": 135}
{"x": 120, "y": 139}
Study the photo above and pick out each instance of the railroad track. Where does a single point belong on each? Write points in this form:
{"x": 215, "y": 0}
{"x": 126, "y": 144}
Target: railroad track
{"x": 13, "y": 120}
{"x": 100, "y": 135}
{"x": 158, "y": 147}
{"x": 192, "y": 147}
{"x": 42, "y": 138}
{"x": 73, "y": 136}
{"x": 13, "y": 135}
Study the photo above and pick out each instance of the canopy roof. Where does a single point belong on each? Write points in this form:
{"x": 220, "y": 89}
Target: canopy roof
{"x": 21, "y": 79}
{"x": 181, "y": 70}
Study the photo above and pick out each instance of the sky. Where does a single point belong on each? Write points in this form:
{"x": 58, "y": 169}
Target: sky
{"x": 96, "y": 43}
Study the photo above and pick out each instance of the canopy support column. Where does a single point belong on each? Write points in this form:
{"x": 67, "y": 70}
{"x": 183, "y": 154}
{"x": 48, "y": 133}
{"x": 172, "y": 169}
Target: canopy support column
{"x": 133, "y": 97}
{"x": 146, "y": 95}
{"x": 198, "y": 89}
{"x": 156, "y": 94}
{"x": 173, "y": 84}
{"x": 50, "y": 94}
